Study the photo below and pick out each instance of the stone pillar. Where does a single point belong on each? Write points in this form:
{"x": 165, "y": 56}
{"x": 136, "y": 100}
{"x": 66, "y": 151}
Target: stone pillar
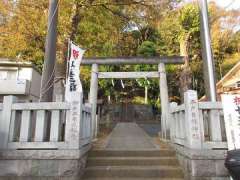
{"x": 5, "y": 121}
{"x": 173, "y": 105}
{"x": 93, "y": 97}
{"x": 73, "y": 122}
{"x": 193, "y": 126}
{"x": 164, "y": 101}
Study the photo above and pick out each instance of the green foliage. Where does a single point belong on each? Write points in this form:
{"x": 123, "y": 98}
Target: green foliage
{"x": 24, "y": 31}
{"x": 189, "y": 18}
{"x": 169, "y": 29}
{"x": 234, "y": 44}
{"x": 147, "y": 49}
{"x": 138, "y": 100}
{"x": 230, "y": 61}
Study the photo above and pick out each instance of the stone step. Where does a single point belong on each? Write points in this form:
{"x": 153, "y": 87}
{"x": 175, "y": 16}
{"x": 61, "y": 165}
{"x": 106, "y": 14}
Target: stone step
{"x": 132, "y": 161}
{"x": 133, "y": 172}
{"x": 134, "y": 178}
{"x": 140, "y": 153}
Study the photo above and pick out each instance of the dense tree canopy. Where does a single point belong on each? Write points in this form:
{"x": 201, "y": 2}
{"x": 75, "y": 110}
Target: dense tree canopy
{"x": 123, "y": 28}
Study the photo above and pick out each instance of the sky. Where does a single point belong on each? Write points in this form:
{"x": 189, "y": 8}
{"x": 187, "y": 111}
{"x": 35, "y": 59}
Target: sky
{"x": 229, "y": 4}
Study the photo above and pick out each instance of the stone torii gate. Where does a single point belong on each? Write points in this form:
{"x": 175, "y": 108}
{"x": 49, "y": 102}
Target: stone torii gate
{"x": 161, "y": 74}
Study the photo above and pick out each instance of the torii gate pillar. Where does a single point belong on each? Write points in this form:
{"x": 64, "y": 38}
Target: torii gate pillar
{"x": 93, "y": 98}
{"x": 164, "y": 101}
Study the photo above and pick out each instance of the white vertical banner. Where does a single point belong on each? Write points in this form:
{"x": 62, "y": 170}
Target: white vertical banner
{"x": 231, "y": 109}
{"x": 73, "y": 84}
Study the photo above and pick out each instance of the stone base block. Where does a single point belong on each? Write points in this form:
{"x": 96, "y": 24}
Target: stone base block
{"x": 202, "y": 164}
{"x": 39, "y": 178}
{"x": 43, "y": 164}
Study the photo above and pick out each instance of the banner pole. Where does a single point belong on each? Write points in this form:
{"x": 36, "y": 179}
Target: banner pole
{"x": 68, "y": 56}
{"x": 67, "y": 68}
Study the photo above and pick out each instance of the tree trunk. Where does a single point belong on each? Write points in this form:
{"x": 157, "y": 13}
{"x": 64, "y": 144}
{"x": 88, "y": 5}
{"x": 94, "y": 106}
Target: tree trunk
{"x": 185, "y": 70}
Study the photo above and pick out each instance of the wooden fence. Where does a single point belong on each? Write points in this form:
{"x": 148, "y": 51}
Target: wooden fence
{"x": 44, "y": 125}
{"x": 198, "y": 125}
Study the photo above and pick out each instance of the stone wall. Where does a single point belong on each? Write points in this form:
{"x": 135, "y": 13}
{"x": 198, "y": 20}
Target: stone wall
{"x": 43, "y": 164}
{"x": 126, "y": 113}
{"x": 202, "y": 164}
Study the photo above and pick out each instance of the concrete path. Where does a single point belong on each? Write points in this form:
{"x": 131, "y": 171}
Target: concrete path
{"x": 129, "y": 136}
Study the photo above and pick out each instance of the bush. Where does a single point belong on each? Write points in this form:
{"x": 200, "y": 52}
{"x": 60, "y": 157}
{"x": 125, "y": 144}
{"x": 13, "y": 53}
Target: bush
{"x": 147, "y": 49}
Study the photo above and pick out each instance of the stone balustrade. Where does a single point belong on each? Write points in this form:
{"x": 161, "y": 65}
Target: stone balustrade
{"x": 199, "y": 138}
{"x": 44, "y": 125}
{"x": 198, "y": 125}
{"x": 44, "y": 140}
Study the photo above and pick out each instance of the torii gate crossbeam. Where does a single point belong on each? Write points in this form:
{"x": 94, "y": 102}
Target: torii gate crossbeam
{"x": 133, "y": 60}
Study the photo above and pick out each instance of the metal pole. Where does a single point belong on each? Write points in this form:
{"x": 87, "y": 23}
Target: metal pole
{"x": 46, "y": 93}
{"x": 209, "y": 72}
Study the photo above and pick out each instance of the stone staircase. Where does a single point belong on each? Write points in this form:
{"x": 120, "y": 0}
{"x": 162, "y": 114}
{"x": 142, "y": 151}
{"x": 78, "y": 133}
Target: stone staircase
{"x": 132, "y": 165}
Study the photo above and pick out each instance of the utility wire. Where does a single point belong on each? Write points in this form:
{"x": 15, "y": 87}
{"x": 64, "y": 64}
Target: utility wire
{"x": 49, "y": 80}
{"x": 53, "y": 15}
{"x": 56, "y": 80}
